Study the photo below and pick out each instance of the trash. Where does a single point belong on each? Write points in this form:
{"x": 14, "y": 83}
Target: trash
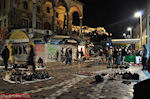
{"x": 129, "y": 75}
{"x": 103, "y": 74}
{"x": 126, "y": 82}
{"x": 99, "y": 78}
{"x": 135, "y": 76}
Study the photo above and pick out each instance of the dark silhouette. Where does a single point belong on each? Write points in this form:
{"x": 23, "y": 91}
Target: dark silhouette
{"x": 141, "y": 90}
{"x": 40, "y": 60}
{"x": 144, "y": 57}
{"x": 68, "y": 55}
{"x": 5, "y": 56}
{"x": 31, "y": 58}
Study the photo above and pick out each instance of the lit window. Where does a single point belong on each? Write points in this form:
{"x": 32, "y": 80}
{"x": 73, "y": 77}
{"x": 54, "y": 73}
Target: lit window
{"x": 25, "y": 5}
{"x": 48, "y": 10}
{"x": 24, "y": 23}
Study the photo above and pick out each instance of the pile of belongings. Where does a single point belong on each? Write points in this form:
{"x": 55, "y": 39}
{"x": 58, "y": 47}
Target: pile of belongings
{"x": 28, "y": 75}
{"x": 129, "y": 76}
{"x": 19, "y": 66}
{"x": 99, "y": 78}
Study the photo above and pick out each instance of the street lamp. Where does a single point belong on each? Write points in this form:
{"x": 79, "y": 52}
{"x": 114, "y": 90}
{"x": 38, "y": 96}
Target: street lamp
{"x": 139, "y": 15}
{"x": 130, "y": 30}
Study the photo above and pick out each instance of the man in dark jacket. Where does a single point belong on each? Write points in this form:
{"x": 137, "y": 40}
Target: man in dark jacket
{"x": 5, "y": 56}
{"x": 31, "y": 58}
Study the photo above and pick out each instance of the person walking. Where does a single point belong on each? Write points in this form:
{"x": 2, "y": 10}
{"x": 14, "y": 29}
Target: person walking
{"x": 5, "y": 56}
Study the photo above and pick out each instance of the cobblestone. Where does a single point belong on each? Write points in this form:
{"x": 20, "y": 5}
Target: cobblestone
{"x": 65, "y": 85}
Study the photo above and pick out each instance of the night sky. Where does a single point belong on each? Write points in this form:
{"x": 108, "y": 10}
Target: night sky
{"x": 114, "y": 15}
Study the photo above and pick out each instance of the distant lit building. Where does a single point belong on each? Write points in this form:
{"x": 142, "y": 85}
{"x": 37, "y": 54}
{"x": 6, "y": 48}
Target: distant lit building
{"x": 56, "y": 15}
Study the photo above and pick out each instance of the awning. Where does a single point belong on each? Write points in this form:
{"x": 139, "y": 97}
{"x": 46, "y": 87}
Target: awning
{"x": 125, "y": 41}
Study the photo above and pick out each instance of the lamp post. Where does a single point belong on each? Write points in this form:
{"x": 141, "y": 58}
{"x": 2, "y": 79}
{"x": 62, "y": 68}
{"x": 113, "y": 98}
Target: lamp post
{"x": 80, "y": 26}
{"x": 139, "y": 15}
{"x": 130, "y": 30}
{"x": 34, "y": 15}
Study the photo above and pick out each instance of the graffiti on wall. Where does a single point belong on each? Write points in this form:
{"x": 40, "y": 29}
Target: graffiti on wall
{"x": 19, "y": 52}
{"x": 53, "y": 52}
{"x": 39, "y": 51}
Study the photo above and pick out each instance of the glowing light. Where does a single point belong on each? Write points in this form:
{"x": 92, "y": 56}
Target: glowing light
{"x": 129, "y": 29}
{"x": 138, "y": 14}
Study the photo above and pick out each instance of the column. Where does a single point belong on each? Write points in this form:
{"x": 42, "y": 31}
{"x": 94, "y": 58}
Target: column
{"x": 34, "y": 15}
{"x": 67, "y": 22}
{"x": 54, "y": 19}
{"x": 148, "y": 33}
{"x": 80, "y": 34}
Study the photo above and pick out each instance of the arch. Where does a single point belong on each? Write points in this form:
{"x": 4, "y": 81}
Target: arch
{"x": 47, "y": 5}
{"x": 47, "y": 9}
{"x": 75, "y": 19}
{"x": 74, "y": 9}
{"x": 62, "y": 3}
{"x": 61, "y": 16}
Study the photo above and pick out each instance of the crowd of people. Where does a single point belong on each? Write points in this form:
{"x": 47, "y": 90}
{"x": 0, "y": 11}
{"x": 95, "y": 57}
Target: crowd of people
{"x": 110, "y": 55}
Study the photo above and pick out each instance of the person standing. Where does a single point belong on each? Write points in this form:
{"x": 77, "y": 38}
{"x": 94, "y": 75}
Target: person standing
{"x": 115, "y": 56}
{"x": 110, "y": 61}
{"x": 31, "y": 58}
{"x": 118, "y": 57}
{"x": 5, "y": 56}
{"x": 67, "y": 56}
{"x": 70, "y": 56}
{"x": 145, "y": 56}
{"x": 124, "y": 53}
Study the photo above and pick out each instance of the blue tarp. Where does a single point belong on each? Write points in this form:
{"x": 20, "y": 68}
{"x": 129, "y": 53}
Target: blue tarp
{"x": 55, "y": 42}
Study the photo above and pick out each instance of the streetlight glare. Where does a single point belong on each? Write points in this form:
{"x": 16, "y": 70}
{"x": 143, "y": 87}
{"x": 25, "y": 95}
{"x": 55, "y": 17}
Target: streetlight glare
{"x": 138, "y": 14}
{"x": 124, "y": 34}
{"x": 129, "y": 29}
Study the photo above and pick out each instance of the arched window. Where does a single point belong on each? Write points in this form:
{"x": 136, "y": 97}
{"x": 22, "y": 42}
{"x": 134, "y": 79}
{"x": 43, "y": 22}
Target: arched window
{"x": 56, "y": 14}
{"x": 48, "y": 9}
{"x": 25, "y": 4}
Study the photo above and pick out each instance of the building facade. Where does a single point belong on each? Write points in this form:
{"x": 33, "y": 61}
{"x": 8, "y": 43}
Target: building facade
{"x": 145, "y": 30}
{"x": 56, "y": 15}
